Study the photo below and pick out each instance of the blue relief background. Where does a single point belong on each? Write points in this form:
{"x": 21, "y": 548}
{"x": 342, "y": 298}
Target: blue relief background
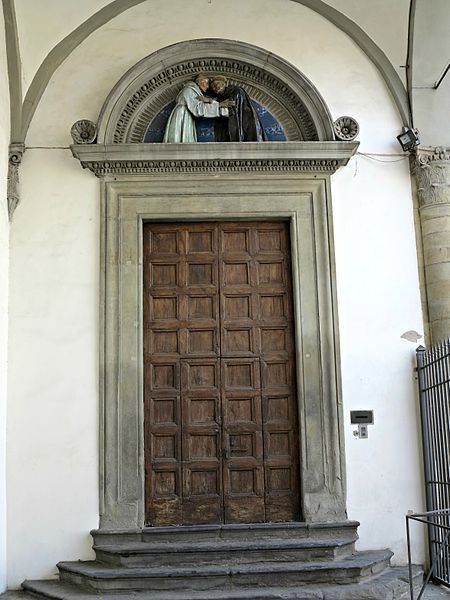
{"x": 205, "y": 127}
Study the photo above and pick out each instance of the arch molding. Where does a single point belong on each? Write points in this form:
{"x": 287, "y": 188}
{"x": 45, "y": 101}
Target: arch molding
{"x": 270, "y": 80}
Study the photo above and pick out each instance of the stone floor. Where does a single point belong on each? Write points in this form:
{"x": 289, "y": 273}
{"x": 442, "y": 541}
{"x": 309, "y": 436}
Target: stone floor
{"x": 436, "y": 592}
{"x": 432, "y": 592}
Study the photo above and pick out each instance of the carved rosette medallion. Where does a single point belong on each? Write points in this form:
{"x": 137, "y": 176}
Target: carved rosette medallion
{"x": 346, "y": 129}
{"x": 431, "y": 167}
{"x": 83, "y": 132}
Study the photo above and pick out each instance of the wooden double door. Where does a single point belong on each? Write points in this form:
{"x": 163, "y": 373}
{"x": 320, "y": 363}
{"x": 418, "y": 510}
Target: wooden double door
{"x": 221, "y": 427}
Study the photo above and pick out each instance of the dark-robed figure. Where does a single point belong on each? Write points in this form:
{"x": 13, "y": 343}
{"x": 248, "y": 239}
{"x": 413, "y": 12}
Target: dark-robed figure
{"x": 242, "y": 124}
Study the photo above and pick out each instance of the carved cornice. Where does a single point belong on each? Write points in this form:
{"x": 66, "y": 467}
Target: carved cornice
{"x": 141, "y": 159}
{"x": 15, "y": 154}
{"x": 154, "y": 82}
{"x": 431, "y": 167}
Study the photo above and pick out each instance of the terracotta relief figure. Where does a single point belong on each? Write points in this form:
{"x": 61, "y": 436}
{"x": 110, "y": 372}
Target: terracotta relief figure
{"x": 191, "y": 103}
{"x": 242, "y": 124}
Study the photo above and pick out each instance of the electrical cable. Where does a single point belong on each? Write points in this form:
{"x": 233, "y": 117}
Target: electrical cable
{"x": 372, "y": 157}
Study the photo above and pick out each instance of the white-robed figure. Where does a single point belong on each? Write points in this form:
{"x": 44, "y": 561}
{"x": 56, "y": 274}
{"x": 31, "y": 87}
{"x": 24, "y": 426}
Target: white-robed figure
{"x": 191, "y": 103}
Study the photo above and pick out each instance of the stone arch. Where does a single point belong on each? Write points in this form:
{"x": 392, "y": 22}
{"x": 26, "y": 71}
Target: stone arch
{"x": 270, "y": 80}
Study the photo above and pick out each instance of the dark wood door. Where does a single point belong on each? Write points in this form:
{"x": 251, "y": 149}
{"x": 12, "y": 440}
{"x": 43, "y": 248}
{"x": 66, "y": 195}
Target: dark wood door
{"x": 221, "y": 432}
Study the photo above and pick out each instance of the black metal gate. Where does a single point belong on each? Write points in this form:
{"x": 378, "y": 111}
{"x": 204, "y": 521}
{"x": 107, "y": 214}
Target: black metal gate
{"x": 433, "y": 368}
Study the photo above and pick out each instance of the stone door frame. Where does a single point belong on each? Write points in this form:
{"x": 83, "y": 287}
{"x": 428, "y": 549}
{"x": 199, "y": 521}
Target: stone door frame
{"x": 301, "y": 198}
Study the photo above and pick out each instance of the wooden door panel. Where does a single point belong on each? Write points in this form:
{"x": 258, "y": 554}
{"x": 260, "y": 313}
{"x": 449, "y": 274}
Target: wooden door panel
{"x": 243, "y": 469}
{"x": 238, "y": 341}
{"x": 162, "y": 438}
{"x": 237, "y": 307}
{"x": 182, "y": 436}
{"x": 280, "y": 437}
{"x": 273, "y": 307}
{"x": 163, "y": 308}
{"x": 201, "y": 240}
{"x": 271, "y": 239}
{"x": 235, "y": 239}
{"x": 202, "y": 441}
{"x": 164, "y": 239}
{"x": 240, "y": 374}
{"x": 202, "y": 307}
{"x": 200, "y": 292}
{"x": 220, "y": 401}
{"x": 181, "y": 295}
{"x": 265, "y": 310}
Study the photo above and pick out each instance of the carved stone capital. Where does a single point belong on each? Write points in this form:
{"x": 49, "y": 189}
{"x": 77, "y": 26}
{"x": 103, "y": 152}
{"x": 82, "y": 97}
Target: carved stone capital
{"x": 13, "y": 193}
{"x": 431, "y": 167}
{"x": 430, "y": 155}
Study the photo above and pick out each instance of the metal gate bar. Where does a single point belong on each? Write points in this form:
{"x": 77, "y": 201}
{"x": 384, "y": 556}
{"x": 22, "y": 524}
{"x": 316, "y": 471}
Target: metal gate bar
{"x": 429, "y": 519}
{"x": 433, "y": 367}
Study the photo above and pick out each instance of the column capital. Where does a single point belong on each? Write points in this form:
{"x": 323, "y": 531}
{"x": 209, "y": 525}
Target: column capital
{"x": 431, "y": 167}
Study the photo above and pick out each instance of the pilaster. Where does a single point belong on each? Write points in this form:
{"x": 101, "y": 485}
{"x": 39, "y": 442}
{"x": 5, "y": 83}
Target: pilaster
{"x": 431, "y": 168}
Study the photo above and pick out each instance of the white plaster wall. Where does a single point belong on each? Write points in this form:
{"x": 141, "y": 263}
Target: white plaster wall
{"x": 43, "y": 24}
{"x": 53, "y": 405}
{"x": 374, "y": 18}
{"x": 4, "y": 267}
{"x": 54, "y": 279}
{"x": 324, "y": 54}
{"x": 378, "y": 297}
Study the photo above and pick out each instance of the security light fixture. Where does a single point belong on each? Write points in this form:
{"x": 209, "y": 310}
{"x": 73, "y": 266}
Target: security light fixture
{"x": 409, "y": 139}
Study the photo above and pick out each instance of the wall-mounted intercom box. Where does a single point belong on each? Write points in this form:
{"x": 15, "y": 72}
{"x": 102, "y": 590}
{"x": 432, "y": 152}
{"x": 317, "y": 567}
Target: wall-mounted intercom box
{"x": 362, "y": 418}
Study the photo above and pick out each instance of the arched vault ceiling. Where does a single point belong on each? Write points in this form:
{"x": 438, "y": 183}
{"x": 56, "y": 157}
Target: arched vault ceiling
{"x": 375, "y": 18}
{"x": 42, "y": 24}
{"x": 362, "y": 26}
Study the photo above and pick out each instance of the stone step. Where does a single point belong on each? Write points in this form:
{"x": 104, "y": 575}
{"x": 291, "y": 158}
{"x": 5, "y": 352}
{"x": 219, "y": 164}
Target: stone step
{"x": 392, "y": 584}
{"x": 102, "y": 577}
{"x": 223, "y": 551}
{"x": 196, "y": 533}
{"x": 17, "y": 595}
